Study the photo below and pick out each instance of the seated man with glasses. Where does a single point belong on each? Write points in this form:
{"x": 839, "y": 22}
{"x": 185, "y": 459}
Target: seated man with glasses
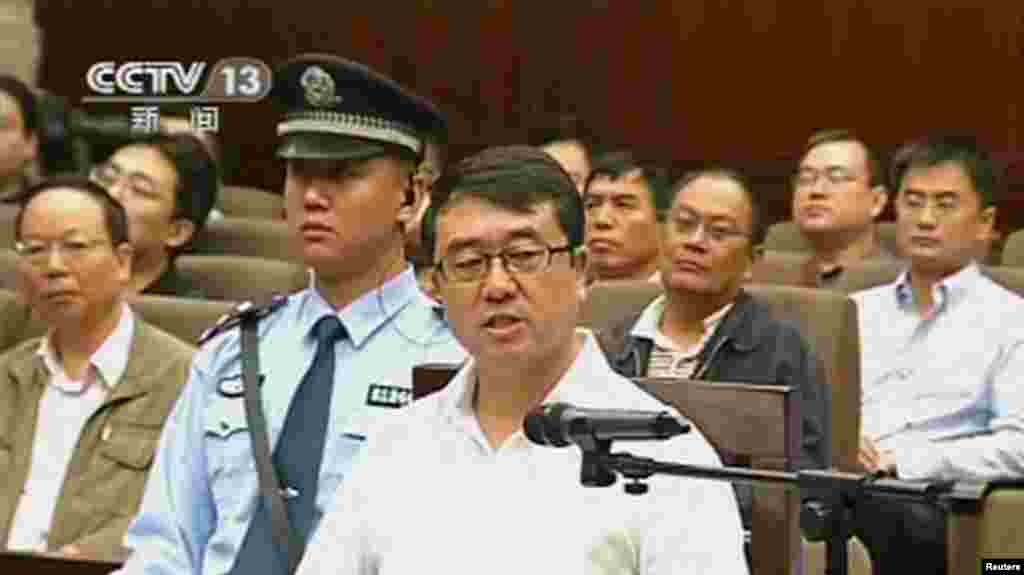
{"x": 508, "y": 232}
{"x": 81, "y": 409}
{"x": 942, "y": 353}
{"x": 705, "y": 326}
{"x": 838, "y": 191}
{"x": 168, "y": 184}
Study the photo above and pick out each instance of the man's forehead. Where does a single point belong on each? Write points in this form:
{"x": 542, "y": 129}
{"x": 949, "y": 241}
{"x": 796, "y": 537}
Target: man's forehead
{"x": 945, "y": 177}
{"x": 842, "y": 153}
{"x": 714, "y": 197}
{"x": 88, "y": 211}
{"x": 631, "y": 183}
{"x": 463, "y": 223}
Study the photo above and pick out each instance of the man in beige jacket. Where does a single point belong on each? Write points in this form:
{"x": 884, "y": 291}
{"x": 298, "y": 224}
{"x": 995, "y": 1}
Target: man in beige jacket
{"x": 81, "y": 408}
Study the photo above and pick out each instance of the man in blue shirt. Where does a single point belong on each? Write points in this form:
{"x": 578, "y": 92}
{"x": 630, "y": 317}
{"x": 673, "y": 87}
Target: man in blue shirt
{"x": 351, "y": 139}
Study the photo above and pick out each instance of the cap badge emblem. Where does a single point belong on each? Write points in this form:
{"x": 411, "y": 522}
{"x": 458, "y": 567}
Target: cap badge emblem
{"x": 319, "y": 87}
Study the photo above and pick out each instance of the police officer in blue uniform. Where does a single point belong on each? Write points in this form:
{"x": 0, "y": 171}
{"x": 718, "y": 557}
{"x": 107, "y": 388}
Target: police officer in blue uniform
{"x": 329, "y": 359}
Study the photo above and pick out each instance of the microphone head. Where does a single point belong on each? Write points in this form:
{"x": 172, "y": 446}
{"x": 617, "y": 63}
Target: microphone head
{"x": 542, "y": 425}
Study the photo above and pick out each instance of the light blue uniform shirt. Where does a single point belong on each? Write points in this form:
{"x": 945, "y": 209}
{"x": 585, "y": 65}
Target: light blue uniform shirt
{"x": 203, "y": 488}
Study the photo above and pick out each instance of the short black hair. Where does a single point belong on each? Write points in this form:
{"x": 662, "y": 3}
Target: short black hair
{"x": 26, "y": 100}
{"x": 197, "y": 171}
{"x": 516, "y": 178}
{"x": 114, "y": 215}
{"x": 962, "y": 150}
{"x": 615, "y": 165}
{"x": 876, "y": 173}
{"x": 757, "y": 227}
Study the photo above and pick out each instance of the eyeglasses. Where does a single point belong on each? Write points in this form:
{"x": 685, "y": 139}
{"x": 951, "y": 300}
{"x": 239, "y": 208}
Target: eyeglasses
{"x": 835, "y": 176}
{"x": 686, "y": 224}
{"x": 472, "y": 266}
{"x": 37, "y": 253}
{"x": 915, "y": 203}
{"x": 108, "y": 176}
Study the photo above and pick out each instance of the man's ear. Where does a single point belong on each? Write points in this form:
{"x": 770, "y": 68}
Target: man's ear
{"x": 182, "y": 230}
{"x": 412, "y": 197}
{"x": 124, "y": 252}
{"x": 881, "y": 197}
{"x": 583, "y": 277}
{"x": 988, "y": 221}
{"x": 756, "y": 254}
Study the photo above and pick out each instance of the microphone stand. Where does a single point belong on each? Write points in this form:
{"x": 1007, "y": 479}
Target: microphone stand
{"x": 825, "y": 519}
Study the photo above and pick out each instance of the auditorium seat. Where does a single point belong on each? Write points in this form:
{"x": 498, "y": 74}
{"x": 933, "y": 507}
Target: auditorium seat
{"x": 1013, "y": 250}
{"x": 7, "y": 215}
{"x": 780, "y": 267}
{"x": 247, "y": 202}
{"x": 867, "y": 274}
{"x": 14, "y": 319}
{"x": 8, "y": 269}
{"x": 786, "y": 236}
{"x": 183, "y": 317}
{"x": 241, "y": 278}
{"x": 247, "y": 237}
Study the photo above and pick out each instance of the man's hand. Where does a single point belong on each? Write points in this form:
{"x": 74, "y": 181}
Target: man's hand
{"x": 71, "y": 551}
{"x": 872, "y": 458}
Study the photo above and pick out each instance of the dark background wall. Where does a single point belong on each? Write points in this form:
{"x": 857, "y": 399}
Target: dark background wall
{"x": 738, "y": 82}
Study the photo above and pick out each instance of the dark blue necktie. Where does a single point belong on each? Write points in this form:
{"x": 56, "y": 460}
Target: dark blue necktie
{"x": 297, "y": 459}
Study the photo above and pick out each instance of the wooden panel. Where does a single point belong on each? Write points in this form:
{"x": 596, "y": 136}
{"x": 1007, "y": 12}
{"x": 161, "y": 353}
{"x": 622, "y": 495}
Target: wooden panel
{"x": 741, "y": 82}
{"x": 52, "y": 564}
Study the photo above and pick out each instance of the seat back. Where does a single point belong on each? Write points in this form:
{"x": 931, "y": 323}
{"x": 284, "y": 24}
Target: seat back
{"x": 247, "y": 202}
{"x": 1013, "y": 250}
{"x": 247, "y": 237}
{"x": 8, "y": 213}
{"x": 760, "y": 424}
{"x": 8, "y": 269}
{"x": 611, "y": 303}
{"x": 241, "y": 278}
{"x": 786, "y": 236}
{"x": 15, "y": 320}
{"x": 184, "y": 318}
{"x": 781, "y": 267}
{"x": 1008, "y": 277}
{"x": 867, "y": 274}
{"x": 827, "y": 320}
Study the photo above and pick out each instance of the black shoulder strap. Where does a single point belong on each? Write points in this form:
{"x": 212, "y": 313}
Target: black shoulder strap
{"x": 234, "y": 319}
{"x": 270, "y": 484}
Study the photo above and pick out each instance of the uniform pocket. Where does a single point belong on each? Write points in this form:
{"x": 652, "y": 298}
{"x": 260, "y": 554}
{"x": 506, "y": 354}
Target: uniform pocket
{"x": 228, "y": 448}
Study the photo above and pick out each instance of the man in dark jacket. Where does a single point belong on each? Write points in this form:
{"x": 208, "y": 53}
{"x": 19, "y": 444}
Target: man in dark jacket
{"x": 705, "y": 326}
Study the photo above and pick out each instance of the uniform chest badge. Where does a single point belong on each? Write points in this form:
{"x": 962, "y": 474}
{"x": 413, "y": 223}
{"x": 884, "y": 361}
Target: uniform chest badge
{"x": 379, "y": 395}
{"x": 233, "y": 386}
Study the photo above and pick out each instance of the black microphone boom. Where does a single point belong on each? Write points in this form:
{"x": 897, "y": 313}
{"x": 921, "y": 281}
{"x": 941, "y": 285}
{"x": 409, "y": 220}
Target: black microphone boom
{"x": 561, "y": 425}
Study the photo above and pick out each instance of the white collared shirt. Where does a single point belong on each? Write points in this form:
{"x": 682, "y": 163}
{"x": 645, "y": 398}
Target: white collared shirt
{"x": 64, "y": 409}
{"x": 668, "y": 359}
{"x": 943, "y": 389}
{"x": 432, "y": 496}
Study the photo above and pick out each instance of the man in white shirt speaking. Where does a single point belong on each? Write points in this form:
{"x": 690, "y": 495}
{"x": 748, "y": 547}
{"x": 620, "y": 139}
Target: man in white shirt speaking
{"x": 451, "y": 484}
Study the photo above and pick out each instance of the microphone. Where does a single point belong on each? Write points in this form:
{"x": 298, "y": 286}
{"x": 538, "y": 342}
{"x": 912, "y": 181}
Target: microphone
{"x": 561, "y": 424}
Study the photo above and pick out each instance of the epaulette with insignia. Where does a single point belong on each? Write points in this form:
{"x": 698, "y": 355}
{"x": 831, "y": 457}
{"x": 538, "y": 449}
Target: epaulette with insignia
{"x": 242, "y": 311}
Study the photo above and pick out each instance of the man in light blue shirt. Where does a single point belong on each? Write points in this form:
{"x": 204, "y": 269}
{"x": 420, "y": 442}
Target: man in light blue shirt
{"x": 942, "y": 353}
{"x": 351, "y": 140}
